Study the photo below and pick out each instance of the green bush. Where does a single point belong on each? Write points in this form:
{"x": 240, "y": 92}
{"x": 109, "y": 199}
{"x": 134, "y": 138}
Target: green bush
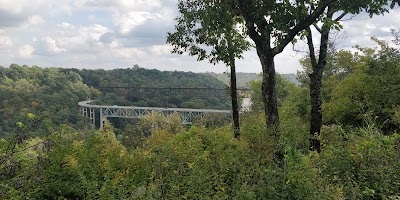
{"x": 364, "y": 162}
{"x": 97, "y": 166}
{"x": 200, "y": 164}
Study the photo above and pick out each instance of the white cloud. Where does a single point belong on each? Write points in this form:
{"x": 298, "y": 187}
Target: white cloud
{"x": 121, "y": 5}
{"x": 20, "y": 6}
{"x": 35, "y": 20}
{"x": 370, "y": 26}
{"x": 362, "y": 28}
{"x": 71, "y": 39}
{"x": 5, "y": 42}
{"x": 47, "y": 46}
{"x": 126, "y": 22}
{"x": 130, "y": 53}
{"x": 160, "y": 49}
{"x": 26, "y": 51}
{"x": 387, "y": 29}
{"x": 15, "y": 12}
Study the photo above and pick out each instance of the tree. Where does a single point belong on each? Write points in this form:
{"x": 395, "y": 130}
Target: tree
{"x": 211, "y": 23}
{"x": 316, "y": 77}
{"x": 272, "y": 25}
{"x": 318, "y": 66}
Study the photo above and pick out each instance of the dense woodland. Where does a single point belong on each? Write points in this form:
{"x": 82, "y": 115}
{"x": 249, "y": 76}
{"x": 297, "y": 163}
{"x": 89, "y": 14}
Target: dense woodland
{"x": 352, "y": 98}
{"x": 143, "y": 78}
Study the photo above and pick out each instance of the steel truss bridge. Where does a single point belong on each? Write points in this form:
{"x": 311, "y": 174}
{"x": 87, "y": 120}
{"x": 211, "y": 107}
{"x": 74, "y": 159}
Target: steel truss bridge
{"x": 105, "y": 111}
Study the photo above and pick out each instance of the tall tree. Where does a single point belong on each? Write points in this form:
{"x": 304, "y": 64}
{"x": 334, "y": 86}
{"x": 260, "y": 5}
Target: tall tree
{"x": 272, "y": 25}
{"x": 208, "y": 29}
{"x": 318, "y": 65}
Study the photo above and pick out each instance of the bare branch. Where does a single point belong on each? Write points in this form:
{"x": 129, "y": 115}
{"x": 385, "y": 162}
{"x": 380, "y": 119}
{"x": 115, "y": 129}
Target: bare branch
{"x": 317, "y": 27}
{"x": 341, "y": 16}
{"x": 310, "y": 43}
{"x": 348, "y": 19}
{"x": 298, "y": 50}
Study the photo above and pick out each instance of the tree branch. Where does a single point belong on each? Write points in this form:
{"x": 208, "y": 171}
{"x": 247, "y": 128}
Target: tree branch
{"x": 325, "y": 39}
{"x": 302, "y": 25}
{"x": 341, "y": 16}
{"x": 317, "y": 27}
{"x": 310, "y": 43}
{"x": 250, "y": 22}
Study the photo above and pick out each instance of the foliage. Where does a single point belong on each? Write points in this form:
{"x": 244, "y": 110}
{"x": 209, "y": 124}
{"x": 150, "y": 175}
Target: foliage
{"x": 205, "y": 163}
{"x": 92, "y": 166}
{"x": 138, "y": 77}
{"x": 199, "y": 163}
{"x": 208, "y": 30}
{"x": 283, "y": 86}
{"x": 49, "y": 92}
{"x": 371, "y": 90}
{"x": 254, "y": 133}
{"x": 157, "y": 121}
{"x": 364, "y": 162}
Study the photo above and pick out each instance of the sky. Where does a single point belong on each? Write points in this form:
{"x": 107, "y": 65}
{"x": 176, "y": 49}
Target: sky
{"x": 110, "y": 34}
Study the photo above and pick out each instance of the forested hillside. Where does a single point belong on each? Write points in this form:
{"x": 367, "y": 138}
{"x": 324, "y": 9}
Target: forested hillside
{"x": 144, "y": 78}
{"x": 53, "y": 93}
{"x": 50, "y": 93}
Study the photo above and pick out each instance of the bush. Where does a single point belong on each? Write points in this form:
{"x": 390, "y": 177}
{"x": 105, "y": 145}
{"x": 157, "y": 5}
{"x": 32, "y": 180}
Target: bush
{"x": 364, "y": 162}
{"x": 200, "y": 164}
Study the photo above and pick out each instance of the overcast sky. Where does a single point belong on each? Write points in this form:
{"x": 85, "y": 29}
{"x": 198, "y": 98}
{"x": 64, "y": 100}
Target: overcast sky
{"x": 120, "y": 33}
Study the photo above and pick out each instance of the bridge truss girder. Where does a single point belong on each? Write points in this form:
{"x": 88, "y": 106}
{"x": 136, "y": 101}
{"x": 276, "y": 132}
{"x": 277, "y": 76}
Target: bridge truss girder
{"x": 187, "y": 115}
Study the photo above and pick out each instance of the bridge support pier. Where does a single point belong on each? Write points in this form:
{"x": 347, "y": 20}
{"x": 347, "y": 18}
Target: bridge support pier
{"x": 102, "y": 119}
{"x": 92, "y": 118}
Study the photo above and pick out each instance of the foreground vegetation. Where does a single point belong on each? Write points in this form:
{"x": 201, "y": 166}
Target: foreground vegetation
{"x": 202, "y": 163}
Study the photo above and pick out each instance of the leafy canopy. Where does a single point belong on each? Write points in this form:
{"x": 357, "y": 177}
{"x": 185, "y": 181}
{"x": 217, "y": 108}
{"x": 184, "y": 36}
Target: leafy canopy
{"x": 209, "y": 29}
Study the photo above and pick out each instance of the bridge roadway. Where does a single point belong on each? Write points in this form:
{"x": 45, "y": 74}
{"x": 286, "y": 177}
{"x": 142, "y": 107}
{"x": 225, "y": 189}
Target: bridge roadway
{"x": 186, "y": 114}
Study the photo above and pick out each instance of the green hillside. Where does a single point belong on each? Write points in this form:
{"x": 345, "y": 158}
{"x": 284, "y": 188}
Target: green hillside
{"x": 104, "y": 80}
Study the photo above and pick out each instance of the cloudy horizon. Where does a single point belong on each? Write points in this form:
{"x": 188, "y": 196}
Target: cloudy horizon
{"x": 119, "y": 34}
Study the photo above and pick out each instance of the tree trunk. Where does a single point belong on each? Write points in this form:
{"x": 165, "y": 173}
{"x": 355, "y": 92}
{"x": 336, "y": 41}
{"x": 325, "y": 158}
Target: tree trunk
{"x": 235, "y": 105}
{"x": 269, "y": 97}
{"x": 268, "y": 88}
{"x": 316, "y": 83}
{"x": 234, "y": 95}
{"x": 316, "y": 111}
